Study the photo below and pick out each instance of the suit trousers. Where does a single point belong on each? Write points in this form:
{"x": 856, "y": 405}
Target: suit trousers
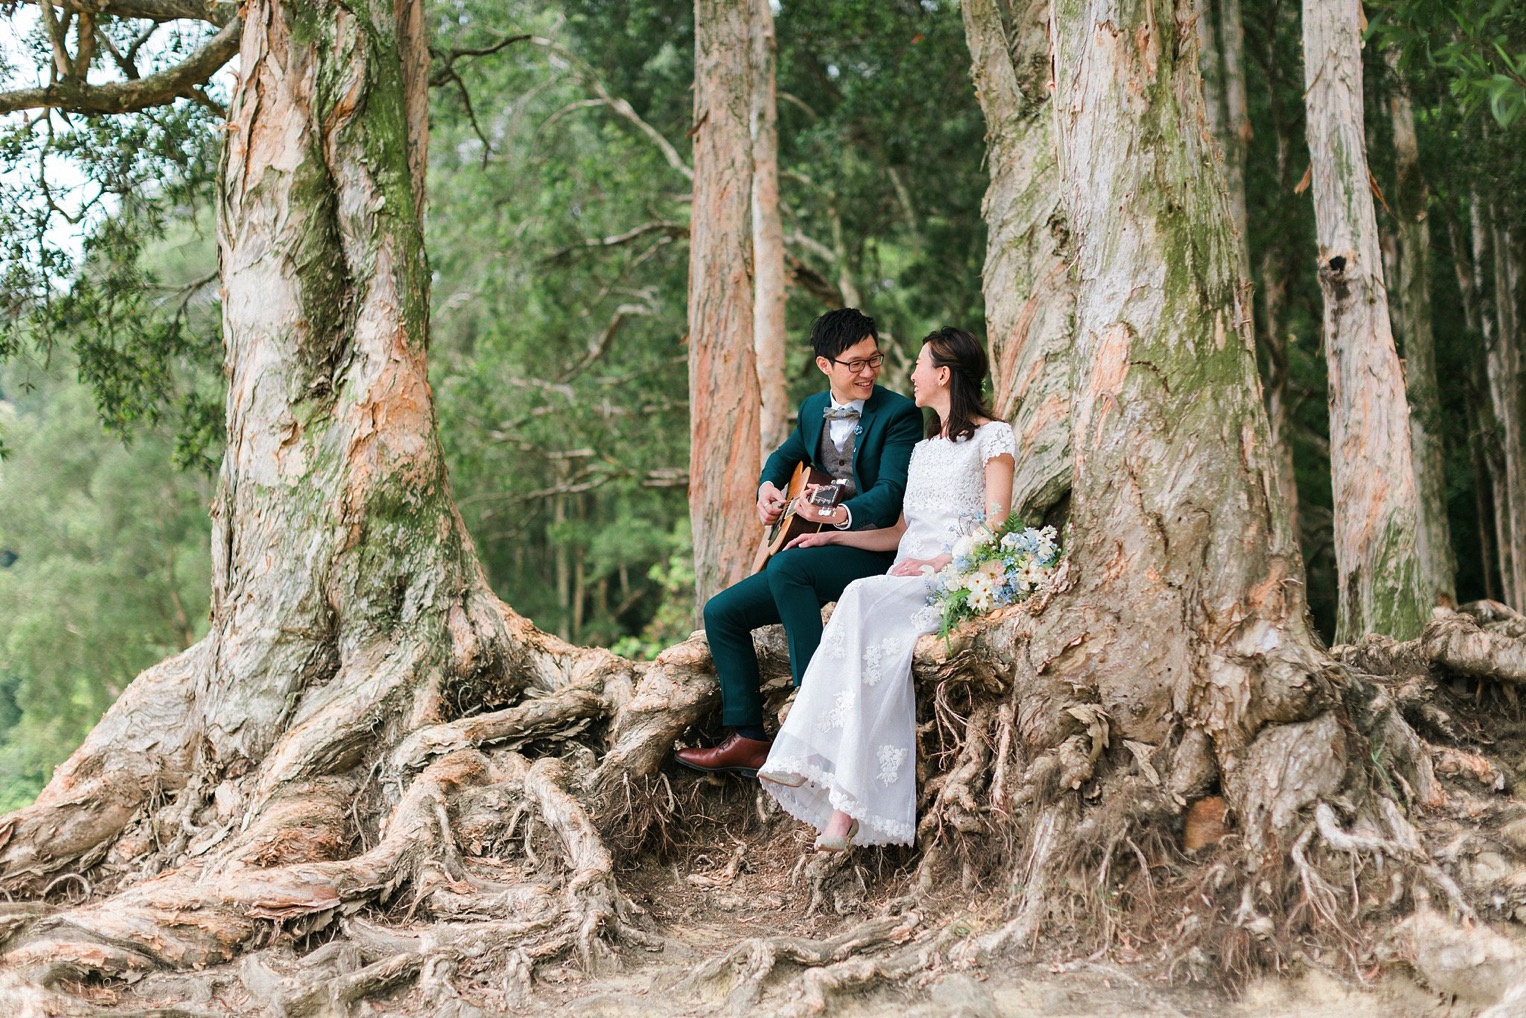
{"x": 791, "y": 589}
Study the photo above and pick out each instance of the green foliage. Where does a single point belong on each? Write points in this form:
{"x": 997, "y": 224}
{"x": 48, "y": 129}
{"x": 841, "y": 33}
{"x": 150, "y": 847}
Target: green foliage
{"x": 107, "y": 570}
{"x": 1477, "y": 46}
{"x": 89, "y": 200}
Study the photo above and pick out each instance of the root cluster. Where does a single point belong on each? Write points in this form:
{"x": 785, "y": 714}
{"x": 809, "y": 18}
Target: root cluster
{"x": 467, "y": 859}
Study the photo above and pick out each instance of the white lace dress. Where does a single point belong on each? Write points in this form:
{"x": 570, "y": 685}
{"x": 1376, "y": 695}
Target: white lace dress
{"x": 851, "y": 735}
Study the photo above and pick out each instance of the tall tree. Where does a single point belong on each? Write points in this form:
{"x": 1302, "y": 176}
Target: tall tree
{"x": 1029, "y": 290}
{"x": 1412, "y": 281}
{"x": 1505, "y": 368}
{"x": 768, "y": 321}
{"x": 724, "y": 450}
{"x": 1212, "y": 671}
{"x": 1376, "y": 504}
{"x": 348, "y": 612}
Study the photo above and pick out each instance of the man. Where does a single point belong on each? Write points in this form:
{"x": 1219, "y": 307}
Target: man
{"x": 860, "y": 434}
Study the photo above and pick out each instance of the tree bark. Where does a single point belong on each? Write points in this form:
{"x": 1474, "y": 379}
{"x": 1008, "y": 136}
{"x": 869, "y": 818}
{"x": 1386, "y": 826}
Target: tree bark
{"x": 1172, "y": 457}
{"x": 768, "y": 322}
{"x": 1438, "y": 564}
{"x": 1029, "y": 291}
{"x": 724, "y": 459}
{"x": 1376, "y": 505}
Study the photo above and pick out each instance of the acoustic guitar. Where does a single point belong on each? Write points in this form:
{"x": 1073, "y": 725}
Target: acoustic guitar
{"x": 799, "y": 516}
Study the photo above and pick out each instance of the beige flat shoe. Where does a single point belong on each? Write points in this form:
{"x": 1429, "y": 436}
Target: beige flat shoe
{"x": 787, "y": 780}
{"x": 837, "y": 842}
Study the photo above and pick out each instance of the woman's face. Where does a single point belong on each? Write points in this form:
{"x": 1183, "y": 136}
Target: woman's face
{"x": 926, "y": 379}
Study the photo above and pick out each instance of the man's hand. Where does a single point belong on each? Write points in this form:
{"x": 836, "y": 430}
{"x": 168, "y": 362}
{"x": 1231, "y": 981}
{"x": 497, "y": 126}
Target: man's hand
{"x": 771, "y": 502}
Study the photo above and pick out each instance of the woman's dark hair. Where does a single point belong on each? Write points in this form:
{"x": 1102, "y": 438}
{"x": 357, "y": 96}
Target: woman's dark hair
{"x": 835, "y": 331}
{"x": 966, "y": 361}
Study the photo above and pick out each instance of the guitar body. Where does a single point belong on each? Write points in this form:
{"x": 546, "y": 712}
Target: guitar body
{"x": 798, "y": 518}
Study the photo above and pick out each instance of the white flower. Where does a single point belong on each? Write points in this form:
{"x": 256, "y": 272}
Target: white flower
{"x": 964, "y": 547}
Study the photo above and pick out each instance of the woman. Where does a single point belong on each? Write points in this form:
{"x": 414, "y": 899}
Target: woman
{"x": 845, "y": 759}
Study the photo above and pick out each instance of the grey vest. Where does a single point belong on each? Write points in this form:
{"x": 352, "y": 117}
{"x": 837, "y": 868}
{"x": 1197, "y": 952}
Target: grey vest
{"x": 838, "y": 464}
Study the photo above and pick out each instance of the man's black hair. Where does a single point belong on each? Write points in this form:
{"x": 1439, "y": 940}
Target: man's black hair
{"x": 835, "y": 331}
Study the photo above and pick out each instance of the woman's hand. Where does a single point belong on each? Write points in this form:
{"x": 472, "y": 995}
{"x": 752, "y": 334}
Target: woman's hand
{"x": 820, "y": 539}
{"x": 916, "y": 566}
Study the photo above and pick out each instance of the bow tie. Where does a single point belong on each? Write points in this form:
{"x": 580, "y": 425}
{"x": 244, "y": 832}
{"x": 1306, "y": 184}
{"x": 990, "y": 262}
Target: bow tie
{"x": 840, "y": 413}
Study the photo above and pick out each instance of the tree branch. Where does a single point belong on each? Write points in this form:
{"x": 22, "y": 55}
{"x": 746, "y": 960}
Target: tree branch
{"x": 665, "y": 227}
{"x": 160, "y": 89}
{"x": 620, "y": 106}
{"x": 215, "y": 12}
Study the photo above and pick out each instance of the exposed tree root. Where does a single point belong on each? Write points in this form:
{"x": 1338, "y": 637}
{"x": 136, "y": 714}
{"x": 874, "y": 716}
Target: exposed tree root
{"x": 494, "y": 855}
{"x": 141, "y": 749}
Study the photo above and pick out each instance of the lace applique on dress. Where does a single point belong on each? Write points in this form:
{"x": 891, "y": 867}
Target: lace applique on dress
{"x": 834, "y": 642}
{"x": 996, "y": 439}
{"x": 927, "y": 618}
{"x": 837, "y": 717}
{"x": 874, "y": 657}
{"x": 891, "y": 758}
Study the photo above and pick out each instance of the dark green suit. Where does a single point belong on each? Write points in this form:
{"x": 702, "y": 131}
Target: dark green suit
{"x": 795, "y": 584}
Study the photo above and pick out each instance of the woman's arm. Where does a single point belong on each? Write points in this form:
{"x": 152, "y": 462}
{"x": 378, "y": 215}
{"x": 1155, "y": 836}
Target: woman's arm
{"x": 882, "y": 539}
{"x": 999, "y": 489}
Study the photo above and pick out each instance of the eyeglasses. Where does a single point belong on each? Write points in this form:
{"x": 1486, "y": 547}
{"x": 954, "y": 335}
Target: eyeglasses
{"x": 854, "y": 367}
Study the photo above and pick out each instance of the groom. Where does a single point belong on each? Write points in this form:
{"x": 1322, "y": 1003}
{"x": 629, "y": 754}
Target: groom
{"x": 856, "y": 432}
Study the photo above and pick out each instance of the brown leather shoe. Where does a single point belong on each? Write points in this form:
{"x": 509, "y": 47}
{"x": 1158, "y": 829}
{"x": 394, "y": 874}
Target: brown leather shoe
{"x": 735, "y": 755}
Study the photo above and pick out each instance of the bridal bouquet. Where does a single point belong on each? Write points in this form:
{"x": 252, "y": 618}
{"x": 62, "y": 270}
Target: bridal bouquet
{"x": 991, "y": 568}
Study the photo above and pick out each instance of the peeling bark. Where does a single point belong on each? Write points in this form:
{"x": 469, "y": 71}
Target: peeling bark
{"x": 1029, "y": 291}
{"x": 1376, "y": 505}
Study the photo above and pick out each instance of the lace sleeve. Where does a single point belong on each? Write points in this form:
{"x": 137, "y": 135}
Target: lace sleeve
{"x": 996, "y": 439}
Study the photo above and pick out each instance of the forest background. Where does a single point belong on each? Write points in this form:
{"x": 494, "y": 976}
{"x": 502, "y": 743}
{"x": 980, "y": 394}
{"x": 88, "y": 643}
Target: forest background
{"x": 557, "y": 231}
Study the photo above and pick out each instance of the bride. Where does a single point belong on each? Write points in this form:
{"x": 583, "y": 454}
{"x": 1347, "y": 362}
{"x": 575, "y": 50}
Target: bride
{"x": 845, "y": 759}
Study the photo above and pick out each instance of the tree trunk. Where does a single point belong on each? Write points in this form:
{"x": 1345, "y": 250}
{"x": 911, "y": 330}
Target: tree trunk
{"x": 768, "y": 322}
{"x": 724, "y": 459}
{"x": 230, "y": 786}
{"x": 1505, "y": 363}
{"x": 1372, "y": 474}
{"x": 1497, "y": 442}
{"x": 1438, "y": 565}
{"x": 1172, "y": 458}
{"x": 1483, "y": 445}
{"x": 1029, "y": 292}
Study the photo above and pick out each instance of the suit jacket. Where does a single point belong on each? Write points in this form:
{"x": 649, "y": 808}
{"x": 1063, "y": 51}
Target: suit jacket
{"x": 891, "y": 425}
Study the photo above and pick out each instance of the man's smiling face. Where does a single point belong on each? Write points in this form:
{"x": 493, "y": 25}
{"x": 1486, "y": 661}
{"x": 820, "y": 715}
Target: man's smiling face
{"x": 846, "y": 383}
